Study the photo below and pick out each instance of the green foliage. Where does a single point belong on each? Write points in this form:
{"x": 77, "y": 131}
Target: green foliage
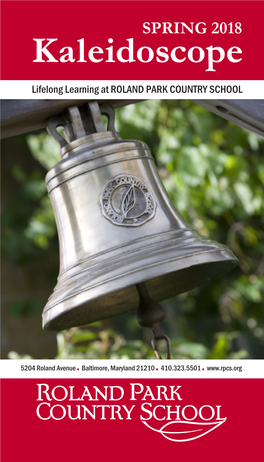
{"x": 97, "y": 342}
{"x": 16, "y": 238}
{"x": 214, "y": 173}
{"x": 25, "y": 308}
{"x": 44, "y": 149}
{"x": 29, "y": 219}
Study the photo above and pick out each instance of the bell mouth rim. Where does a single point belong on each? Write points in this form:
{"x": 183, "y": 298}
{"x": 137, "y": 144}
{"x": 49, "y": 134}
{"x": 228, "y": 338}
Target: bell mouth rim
{"x": 82, "y": 308}
{"x": 173, "y": 240}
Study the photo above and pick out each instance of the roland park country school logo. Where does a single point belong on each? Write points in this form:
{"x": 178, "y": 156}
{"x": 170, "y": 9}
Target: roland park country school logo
{"x": 160, "y": 409}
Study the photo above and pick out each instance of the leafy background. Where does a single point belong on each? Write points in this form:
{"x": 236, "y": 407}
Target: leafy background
{"x": 214, "y": 173}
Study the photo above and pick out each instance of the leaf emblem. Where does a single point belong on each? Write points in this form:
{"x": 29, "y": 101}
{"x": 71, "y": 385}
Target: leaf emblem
{"x": 128, "y": 201}
{"x": 182, "y": 431}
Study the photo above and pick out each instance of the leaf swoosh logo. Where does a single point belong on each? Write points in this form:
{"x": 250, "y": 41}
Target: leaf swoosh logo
{"x": 181, "y": 431}
{"x": 129, "y": 201}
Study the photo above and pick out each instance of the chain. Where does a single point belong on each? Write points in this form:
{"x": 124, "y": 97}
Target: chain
{"x": 158, "y": 335}
{"x": 150, "y": 314}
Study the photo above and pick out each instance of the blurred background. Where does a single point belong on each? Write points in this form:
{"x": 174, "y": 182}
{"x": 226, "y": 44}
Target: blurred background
{"x": 214, "y": 173}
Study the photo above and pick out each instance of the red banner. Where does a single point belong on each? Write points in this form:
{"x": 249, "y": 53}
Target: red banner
{"x": 132, "y": 40}
{"x": 132, "y": 419}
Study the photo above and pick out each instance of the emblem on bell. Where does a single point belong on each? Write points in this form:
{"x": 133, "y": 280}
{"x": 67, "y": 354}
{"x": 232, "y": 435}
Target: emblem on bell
{"x": 126, "y": 201}
{"x": 117, "y": 226}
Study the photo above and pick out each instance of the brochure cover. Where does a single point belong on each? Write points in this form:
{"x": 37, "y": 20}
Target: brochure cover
{"x": 132, "y": 145}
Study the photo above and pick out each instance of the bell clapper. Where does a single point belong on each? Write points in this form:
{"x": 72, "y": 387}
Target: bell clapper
{"x": 150, "y": 314}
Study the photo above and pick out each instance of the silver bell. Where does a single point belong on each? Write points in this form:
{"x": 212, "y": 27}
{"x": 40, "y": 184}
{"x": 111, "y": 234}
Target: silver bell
{"x": 117, "y": 226}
